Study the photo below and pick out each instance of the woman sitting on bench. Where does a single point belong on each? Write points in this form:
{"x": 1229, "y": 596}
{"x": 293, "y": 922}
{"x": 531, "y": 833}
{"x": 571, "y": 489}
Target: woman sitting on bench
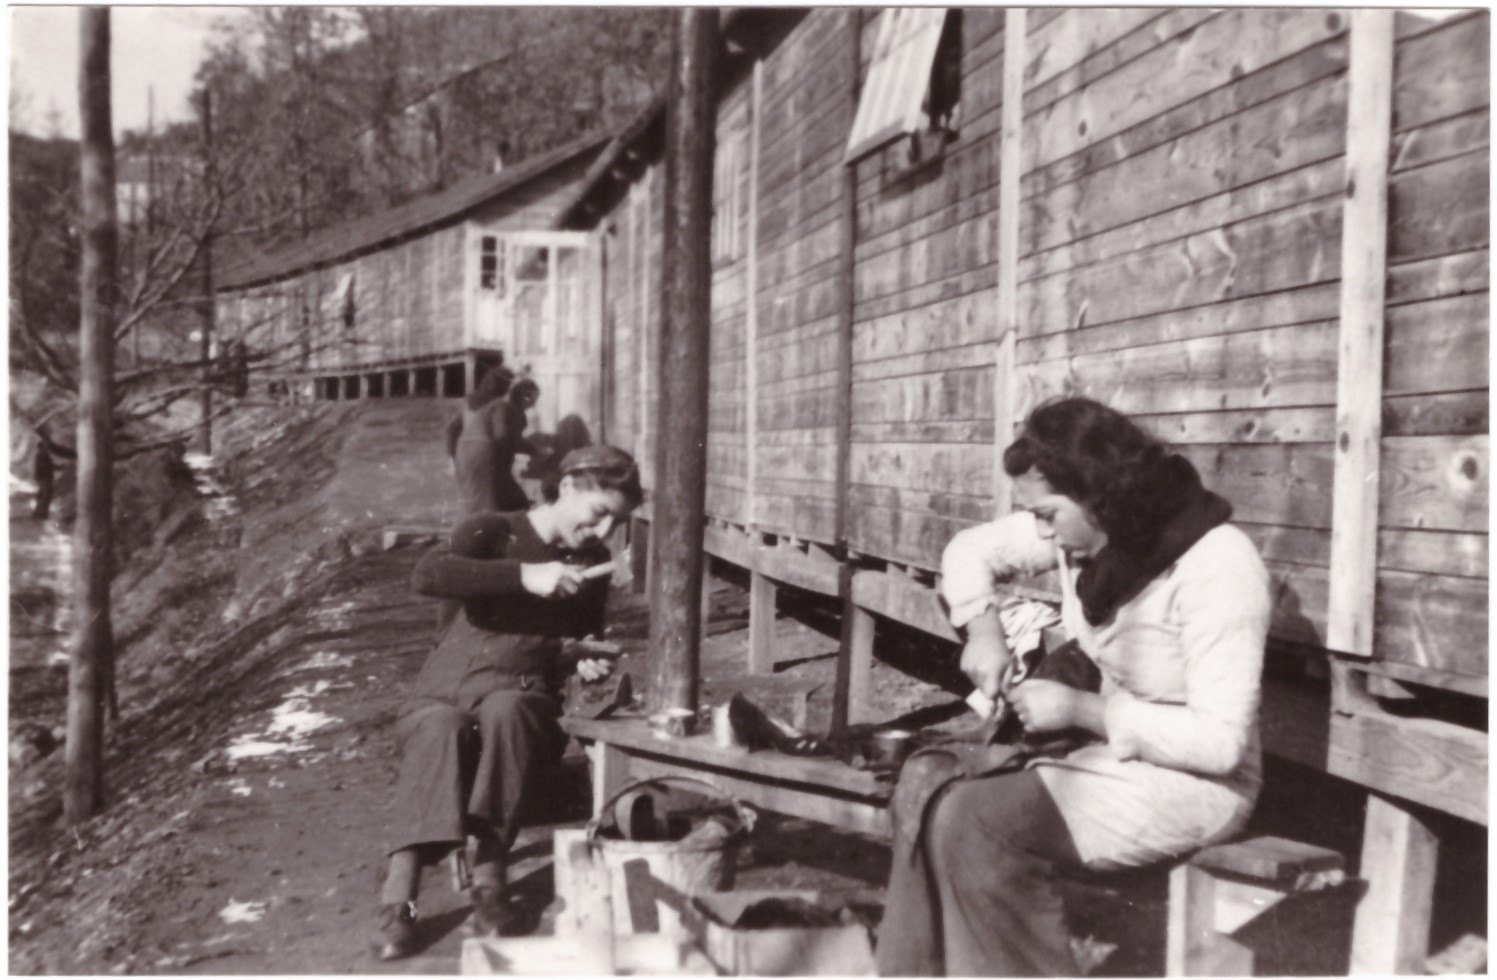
{"x": 1172, "y": 605}
{"x": 481, "y": 726}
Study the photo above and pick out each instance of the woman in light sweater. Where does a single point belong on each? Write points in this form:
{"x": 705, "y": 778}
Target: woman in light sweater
{"x": 1172, "y": 605}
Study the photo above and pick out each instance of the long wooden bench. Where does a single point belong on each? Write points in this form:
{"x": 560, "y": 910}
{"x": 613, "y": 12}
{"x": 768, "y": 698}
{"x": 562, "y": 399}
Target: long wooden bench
{"x": 1213, "y": 894}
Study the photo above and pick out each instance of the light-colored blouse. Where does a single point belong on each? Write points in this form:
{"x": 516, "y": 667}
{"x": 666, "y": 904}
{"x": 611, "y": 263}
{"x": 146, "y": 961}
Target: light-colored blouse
{"x": 1181, "y": 667}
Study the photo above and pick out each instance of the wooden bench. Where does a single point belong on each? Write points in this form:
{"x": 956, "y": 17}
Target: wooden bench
{"x": 1212, "y": 895}
{"x": 824, "y": 790}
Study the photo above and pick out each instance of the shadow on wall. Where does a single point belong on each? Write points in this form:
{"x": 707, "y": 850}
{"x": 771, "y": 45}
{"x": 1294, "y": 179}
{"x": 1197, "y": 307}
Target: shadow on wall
{"x": 552, "y": 447}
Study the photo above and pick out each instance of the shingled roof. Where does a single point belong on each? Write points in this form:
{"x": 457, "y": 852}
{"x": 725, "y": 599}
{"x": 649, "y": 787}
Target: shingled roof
{"x": 422, "y": 214}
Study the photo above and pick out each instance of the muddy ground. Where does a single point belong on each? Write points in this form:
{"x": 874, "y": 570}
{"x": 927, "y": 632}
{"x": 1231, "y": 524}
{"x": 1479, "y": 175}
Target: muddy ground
{"x": 263, "y": 650}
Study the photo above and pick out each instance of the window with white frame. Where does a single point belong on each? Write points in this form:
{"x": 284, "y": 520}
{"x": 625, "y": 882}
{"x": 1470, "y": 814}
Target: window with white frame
{"x": 490, "y": 262}
{"x": 914, "y": 80}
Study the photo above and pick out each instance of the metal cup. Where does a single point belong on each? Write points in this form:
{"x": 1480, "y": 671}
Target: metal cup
{"x": 673, "y": 723}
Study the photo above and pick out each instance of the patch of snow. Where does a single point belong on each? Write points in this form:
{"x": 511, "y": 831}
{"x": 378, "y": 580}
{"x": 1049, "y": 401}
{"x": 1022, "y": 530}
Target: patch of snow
{"x": 323, "y": 660}
{"x": 291, "y": 722}
{"x": 275, "y": 783}
{"x": 236, "y": 912}
{"x": 238, "y": 788}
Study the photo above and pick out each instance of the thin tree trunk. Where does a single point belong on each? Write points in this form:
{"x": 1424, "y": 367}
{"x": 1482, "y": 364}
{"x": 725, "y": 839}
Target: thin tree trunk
{"x": 205, "y": 299}
{"x": 681, "y": 454}
{"x": 91, "y": 665}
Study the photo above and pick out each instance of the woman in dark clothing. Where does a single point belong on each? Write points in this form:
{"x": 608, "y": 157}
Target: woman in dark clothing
{"x": 481, "y": 724}
{"x": 484, "y": 440}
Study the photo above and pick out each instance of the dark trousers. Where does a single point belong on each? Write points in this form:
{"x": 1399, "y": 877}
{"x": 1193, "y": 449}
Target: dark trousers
{"x": 473, "y": 771}
{"x": 977, "y": 897}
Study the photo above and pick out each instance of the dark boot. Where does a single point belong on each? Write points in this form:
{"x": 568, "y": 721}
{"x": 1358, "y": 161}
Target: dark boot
{"x": 395, "y": 937}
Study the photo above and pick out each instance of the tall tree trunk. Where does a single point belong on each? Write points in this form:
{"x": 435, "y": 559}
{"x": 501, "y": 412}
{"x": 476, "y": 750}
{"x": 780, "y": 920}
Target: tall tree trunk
{"x": 91, "y": 666}
{"x": 205, "y": 287}
{"x": 681, "y": 453}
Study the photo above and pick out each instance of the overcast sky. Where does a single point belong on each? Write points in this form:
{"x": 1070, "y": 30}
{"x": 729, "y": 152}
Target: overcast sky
{"x": 158, "y": 47}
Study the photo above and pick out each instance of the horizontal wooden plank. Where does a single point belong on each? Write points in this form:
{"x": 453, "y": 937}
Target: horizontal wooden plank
{"x": 1289, "y": 132}
{"x": 1283, "y": 366}
{"x": 1310, "y": 304}
{"x": 800, "y": 569}
{"x": 1442, "y": 73}
{"x": 1234, "y": 43}
{"x": 1228, "y": 206}
{"x": 1290, "y": 248}
{"x": 1074, "y": 37}
{"x": 1434, "y": 482}
{"x": 1455, "y": 413}
{"x": 902, "y": 536}
{"x": 897, "y": 598}
{"x": 1446, "y": 275}
{"x": 1306, "y": 67}
{"x": 967, "y": 357}
{"x": 1440, "y": 209}
{"x": 949, "y": 467}
{"x": 1441, "y": 140}
{"x": 1434, "y": 763}
{"x": 937, "y": 430}
{"x": 1433, "y": 552}
{"x": 934, "y": 291}
{"x": 970, "y": 508}
{"x": 1268, "y": 483}
{"x": 1314, "y": 424}
{"x": 961, "y": 248}
{"x": 951, "y": 323}
{"x": 1433, "y": 621}
{"x": 1438, "y": 345}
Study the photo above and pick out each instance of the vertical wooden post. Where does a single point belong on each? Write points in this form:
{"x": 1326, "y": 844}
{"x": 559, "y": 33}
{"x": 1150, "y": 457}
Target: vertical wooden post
{"x": 90, "y": 664}
{"x": 1010, "y": 163}
{"x": 1359, "y": 381}
{"x": 751, "y": 326}
{"x": 853, "y": 659}
{"x": 1399, "y": 852}
{"x": 762, "y": 594}
{"x": 680, "y": 485}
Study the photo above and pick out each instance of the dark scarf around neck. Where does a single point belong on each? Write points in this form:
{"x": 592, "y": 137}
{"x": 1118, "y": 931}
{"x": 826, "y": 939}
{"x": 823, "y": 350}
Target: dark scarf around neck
{"x": 1119, "y": 573}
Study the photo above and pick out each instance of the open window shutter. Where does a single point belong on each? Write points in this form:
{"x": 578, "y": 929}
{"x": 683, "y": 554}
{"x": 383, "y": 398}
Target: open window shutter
{"x": 898, "y": 78}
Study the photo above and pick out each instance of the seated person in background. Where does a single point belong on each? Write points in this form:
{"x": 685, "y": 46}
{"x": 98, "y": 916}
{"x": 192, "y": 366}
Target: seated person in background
{"x": 482, "y": 441}
{"x": 480, "y": 729}
{"x": 1172, "y": 604}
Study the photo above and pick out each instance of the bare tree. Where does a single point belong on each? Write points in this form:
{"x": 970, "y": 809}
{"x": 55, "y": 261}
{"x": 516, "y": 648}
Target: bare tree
{"x": 91, "y": 666}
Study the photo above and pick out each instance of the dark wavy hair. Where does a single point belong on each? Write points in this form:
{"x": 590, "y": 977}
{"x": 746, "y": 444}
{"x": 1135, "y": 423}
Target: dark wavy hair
{"x": 601, "y": 467}
{"x": 1100, "y": 459}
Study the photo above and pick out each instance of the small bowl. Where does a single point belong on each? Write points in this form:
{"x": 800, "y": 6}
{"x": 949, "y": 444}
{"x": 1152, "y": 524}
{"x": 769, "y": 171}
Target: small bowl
{"x": 891, "y": 746}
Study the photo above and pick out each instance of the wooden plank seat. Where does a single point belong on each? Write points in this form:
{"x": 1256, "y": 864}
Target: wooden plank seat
{"x": 824, "y": 790}
{"x": 1212, "y": 894}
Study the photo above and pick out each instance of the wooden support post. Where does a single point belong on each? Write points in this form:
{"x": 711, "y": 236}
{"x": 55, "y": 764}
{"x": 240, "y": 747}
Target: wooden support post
{"x": 762, "y": 594}
{"x": 1399, "y": 852}
{"x": 1005, "y": 368}
{"x": 1359, "y": 380}
{"x": 751, "y": 314}
{"x": 679, "y": 502}
{"x": 610, "y": 773}
{"x": 854, "y": 659}
{"x": 706, "y": 606}
{"x": 854, "y": 651}
{"x": 1193, "y": 945}
{"x": 639, "y": 554}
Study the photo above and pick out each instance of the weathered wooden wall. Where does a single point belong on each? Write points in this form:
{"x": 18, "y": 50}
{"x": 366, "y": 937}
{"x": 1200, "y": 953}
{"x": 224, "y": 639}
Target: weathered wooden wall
{"x": 806, "y": 114}
{"x": 1178, "y": 179}
{"x": 727, "y": 418}
{"x": 924, "y": 336}
{"x": 1180, "y": 260}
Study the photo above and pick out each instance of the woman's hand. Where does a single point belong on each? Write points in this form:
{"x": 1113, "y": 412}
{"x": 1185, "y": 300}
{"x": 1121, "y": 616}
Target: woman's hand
{"x": 1044, "y": 706}
{"x": 594, "y": 670}
{"x": 552, "y": 580}
{"x": 984, "y": 659}
{"x": 1048, "y": 706}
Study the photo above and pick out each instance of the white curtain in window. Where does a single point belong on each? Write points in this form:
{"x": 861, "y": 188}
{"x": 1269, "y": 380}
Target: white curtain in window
{"x": 898, "y": 77}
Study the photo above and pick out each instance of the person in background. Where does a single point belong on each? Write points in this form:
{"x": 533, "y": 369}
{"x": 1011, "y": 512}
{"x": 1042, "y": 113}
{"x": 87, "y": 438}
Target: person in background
{"x": 1172, "y": 605}
{"x": 482, "y": 441}
{"x": 480, "y": 729}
